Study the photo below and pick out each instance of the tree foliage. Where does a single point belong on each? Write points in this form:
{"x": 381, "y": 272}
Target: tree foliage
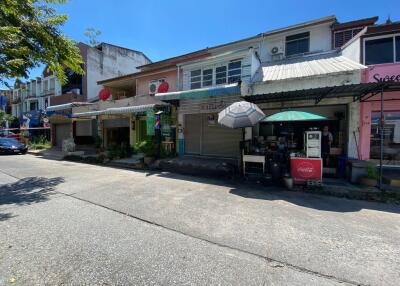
{"x": 30, "y": 35}
{"x": 92, "y": 34}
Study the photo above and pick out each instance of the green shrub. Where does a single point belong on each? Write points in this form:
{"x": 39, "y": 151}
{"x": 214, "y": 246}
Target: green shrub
{"x": 372, "y": 173}
{"x": 148, "y": 148}
{"x": 119, "y": 151}
{"x": 39, "y": 143}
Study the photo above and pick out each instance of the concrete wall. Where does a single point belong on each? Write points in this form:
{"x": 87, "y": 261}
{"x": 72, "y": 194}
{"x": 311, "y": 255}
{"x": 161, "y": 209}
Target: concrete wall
{"x": 353, "y": 50}
{"x": 66, "y": 98}
{"x": 320, "y": 40}
{"x": 220, "y": 59}
{"x": 110, "y": 61}
{"x": 142, "y": 83}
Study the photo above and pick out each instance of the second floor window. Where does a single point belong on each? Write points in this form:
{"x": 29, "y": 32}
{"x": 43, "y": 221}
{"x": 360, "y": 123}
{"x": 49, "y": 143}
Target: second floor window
{"x": 195, "y": 79}
{"x": 234, "y": 71}
{"x": 342, "y": 37}
{"x": 220, "y": 75}
{"x": 207, "y": 77}
{"x": 298, "y": 44}
{"x": 228, "y": 73}
{"x": 382, "y": 50}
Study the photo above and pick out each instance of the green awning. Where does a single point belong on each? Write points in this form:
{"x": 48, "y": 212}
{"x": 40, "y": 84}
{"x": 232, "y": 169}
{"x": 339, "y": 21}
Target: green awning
{"x": 293, "y": 116}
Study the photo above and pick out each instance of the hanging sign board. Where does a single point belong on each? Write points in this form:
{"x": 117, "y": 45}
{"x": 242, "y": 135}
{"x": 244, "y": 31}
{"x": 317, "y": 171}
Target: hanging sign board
{"x": 150, "y": 121}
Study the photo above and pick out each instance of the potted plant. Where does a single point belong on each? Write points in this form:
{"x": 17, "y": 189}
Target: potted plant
{"x": 371, "y": 176}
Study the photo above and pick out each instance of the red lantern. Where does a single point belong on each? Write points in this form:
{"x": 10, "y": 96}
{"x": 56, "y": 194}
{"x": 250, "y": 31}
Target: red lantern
{"x": 104, "y": 94}
{"x": 163, "y": 87}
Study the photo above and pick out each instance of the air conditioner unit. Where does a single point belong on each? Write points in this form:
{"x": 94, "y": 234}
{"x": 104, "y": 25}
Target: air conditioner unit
{"x": 154, "y": 84}
{"x": 277, "y": 51}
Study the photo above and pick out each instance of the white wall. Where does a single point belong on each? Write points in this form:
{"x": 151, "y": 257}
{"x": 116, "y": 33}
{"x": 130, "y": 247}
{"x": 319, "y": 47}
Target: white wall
{"x": 352, "y": 51}
{"x": 354, "y": 130}
{"x": 320, "y": 40}
{"x": 110, "y": 62}
{"x": 219, "y": 59}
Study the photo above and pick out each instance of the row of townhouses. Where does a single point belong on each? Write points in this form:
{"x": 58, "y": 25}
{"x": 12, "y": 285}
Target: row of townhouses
{"x": 31, "y": 99}
{"x": 336, "y": 70}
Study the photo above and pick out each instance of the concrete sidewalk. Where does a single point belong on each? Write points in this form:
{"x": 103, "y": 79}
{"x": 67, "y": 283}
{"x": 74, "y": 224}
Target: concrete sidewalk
{"x": 52, "y": 154}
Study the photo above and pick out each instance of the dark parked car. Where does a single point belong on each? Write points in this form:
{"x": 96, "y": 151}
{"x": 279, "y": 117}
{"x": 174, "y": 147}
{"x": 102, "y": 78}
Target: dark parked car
{"x": 12, "y": 146}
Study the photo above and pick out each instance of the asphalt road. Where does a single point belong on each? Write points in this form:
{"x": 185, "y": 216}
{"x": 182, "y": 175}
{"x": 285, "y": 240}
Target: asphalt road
{"x": 64, "y": 223}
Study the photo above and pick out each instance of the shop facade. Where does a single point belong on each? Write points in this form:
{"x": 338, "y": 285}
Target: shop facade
{"x": 63, "y": 126}
{"x": 198, "y": 130}
{"x": 370, "y": 116}
{"x": 200, "y": 133}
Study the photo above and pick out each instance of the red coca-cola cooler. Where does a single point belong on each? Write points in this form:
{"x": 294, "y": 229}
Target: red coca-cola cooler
{"x": 305, "y": 169}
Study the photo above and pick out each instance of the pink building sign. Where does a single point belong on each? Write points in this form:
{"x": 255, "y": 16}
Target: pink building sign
{"x": 376, "y": 73}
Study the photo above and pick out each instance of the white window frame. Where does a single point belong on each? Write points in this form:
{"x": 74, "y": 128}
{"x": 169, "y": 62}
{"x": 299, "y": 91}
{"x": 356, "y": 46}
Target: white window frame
{"x": 214, "y": 73}
{"x": 197, "y": 81}
{"x": 289, "y": 41}
{"x": 393, "y": 36}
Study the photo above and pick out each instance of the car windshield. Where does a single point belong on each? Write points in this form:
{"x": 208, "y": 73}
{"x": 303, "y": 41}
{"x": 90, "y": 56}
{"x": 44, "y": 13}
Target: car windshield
{"x": 8, "y": 141}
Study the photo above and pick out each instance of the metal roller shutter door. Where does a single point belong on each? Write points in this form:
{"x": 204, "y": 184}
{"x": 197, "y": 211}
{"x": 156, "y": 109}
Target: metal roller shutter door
{"x": 63, "y": 132}
{"x": 218, "y": 140}
{"x": 84, "y": 128}
{"x": 192, "y": 133}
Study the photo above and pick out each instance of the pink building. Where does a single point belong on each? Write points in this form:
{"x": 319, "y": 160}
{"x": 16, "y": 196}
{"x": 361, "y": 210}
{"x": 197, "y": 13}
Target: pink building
{"x": 381, "y": 53}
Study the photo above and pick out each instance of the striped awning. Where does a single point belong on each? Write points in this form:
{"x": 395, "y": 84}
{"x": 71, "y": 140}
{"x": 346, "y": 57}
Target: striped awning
{"x": 88, "y": 113}
{"x": 117, "y": 110}
{"x": 67, "y": 106}
{"x": 230, "y": 89}
{"x": 129, "y": 109}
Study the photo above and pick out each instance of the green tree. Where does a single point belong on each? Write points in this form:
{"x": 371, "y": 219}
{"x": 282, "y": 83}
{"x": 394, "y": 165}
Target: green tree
{"x": 92, "y": 34}
{"x": 30, "y": 35}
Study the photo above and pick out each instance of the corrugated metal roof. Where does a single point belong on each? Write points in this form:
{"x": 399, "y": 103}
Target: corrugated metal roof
{"x": 129, "y": 109}
{"x": 67, "y": 106}
{"x": 308, "y": 66}
{"x": 354, "y": 90}
{"x": 88, "y": 113}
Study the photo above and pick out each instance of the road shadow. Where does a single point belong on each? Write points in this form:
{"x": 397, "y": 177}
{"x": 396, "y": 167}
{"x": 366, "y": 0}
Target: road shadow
{"x": 28, "y": 190}
{"x": 314, "y": 201}
{"x": 272, "y": 192}
{"x": 5, "y": 216}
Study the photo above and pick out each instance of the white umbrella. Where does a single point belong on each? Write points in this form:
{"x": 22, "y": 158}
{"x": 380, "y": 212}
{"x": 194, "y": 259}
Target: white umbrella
{"x": 240, "y": 114}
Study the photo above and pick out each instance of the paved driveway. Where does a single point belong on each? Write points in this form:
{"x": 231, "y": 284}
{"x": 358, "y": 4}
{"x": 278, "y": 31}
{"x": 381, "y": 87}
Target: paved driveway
{"x": 70, "y": 223}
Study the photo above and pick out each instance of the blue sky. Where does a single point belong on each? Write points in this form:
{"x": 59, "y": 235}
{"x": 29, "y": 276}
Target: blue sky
{"x": 163, "y": 29}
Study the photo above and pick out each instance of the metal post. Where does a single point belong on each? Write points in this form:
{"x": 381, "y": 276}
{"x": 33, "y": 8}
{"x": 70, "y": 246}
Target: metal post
{"x": 382, "y": 123}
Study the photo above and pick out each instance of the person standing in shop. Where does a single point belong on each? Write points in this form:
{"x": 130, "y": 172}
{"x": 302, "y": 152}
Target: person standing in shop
{"x": 326, "y": 142}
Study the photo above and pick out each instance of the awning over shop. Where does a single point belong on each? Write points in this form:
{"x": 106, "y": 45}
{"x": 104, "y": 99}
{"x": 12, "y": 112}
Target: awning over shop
{"x": 307, "y": 72}
{"x": 88, "y": 113}
{"x": 129, "y": 109}
{"x": 361, "y": 91}
{"x": 140, "y": 103}
{"x": 67, "y": 106}
{"x": 309, "y": 66}
{"x": 230, "y": 89}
